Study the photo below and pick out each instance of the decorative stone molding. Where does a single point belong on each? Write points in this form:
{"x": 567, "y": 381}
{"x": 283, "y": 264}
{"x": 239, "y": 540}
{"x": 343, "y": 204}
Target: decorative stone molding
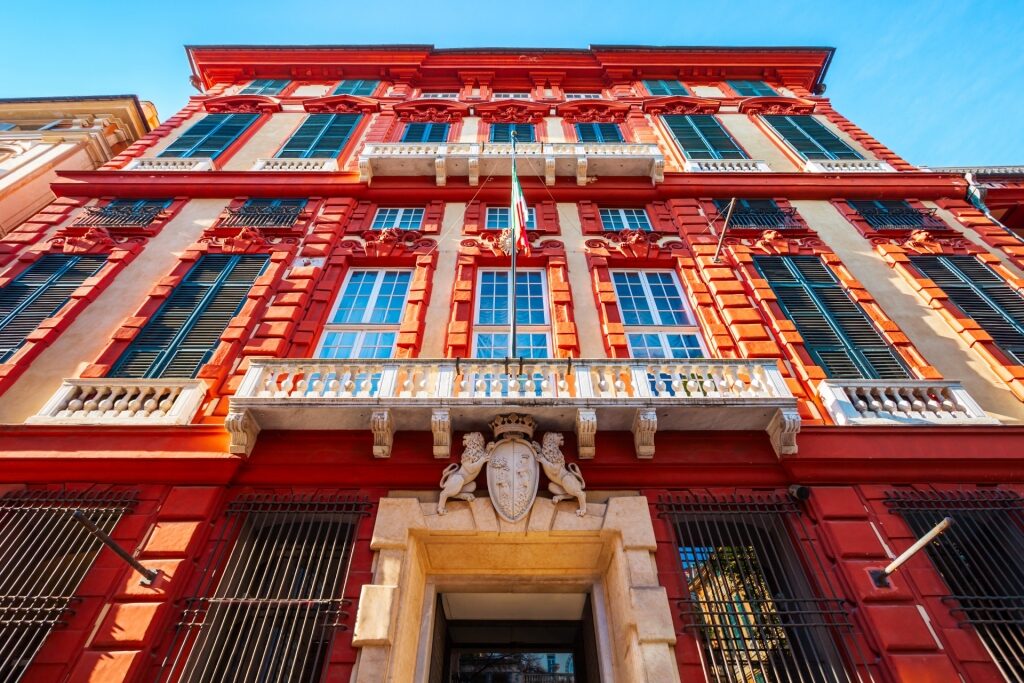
{"x": 726, "y": 166}
{"x": 847, "y": 166}
{"x": 306, "y": 165}
{"x": 592, "y": 111}
{"x": 645, "y": 425}
{"x": 441, "y": 426}
{"x": 680, "y": 104}
{"x": 126, "y": 402}
{"x": 340, "y": 104}
{"x": 586, "y": 433}
{"x": 900, "y": 402}
{"x": 175, "y": 164}
{"x": 242, "y": 104}
{"x": 511, "y": 111}
{"x": 790, "y": 106}
{"x": 383, "y": 428}
{"x": 431, "y": 111}
{"x": 243, "y": 430}
{"x": 782, "y": 431}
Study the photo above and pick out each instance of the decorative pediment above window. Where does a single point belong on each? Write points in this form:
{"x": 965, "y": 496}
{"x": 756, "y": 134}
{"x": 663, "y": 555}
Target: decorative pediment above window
{"x": 512, "y": 111}
{"x": 387, "y": 244}
{"x": 681, "y": 104}
{"x": 639, "y": 244}
{"x": 593, "y": 111}
{"x": 242, "y": 104}
{"x": 431, "y": 111}
{"x": 340, "y": 104}
{"x": 788, "y": 106}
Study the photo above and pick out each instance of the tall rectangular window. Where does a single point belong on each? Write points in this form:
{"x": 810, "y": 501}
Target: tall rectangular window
{"x": 755, "y": 609}
{"x": 810, "y": 138}
{"x": 665, "y": 88}
{"x": 613, "y": 220}
{"x": 360, "y": 88}
{"x": 752, "y": 88}
{"x": 184, "y": 332}
{"x": 701, "y": 136}
{"x": 269, "y": 612}
{"x": 653, "y": 309}
{"x": 981, "y": 295}
{"x": 367, "y": 315}
{"x": 39, "y": 292}
{"x": 265, "y": 86}
{"x": 582, "y": 96}
{"x": 598, "y": 132}
{"x": 210, "y": 136}
{"x": 493, "y": 315}
{"x": 402, "y": 218}
{"x": 499, "y": 218}
{"x": 439, "y": 95}
{"x": 510, "y": 96}
{"x": 425, "y": 132}
{"x": 502, "y": 132}
{"x": 837, "y": 333}
{"x": 320, "y": 136}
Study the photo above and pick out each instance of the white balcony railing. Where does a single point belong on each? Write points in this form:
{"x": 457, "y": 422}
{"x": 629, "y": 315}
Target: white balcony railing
{"x": 847, "y": 166}
{"x": 170, "y": 164}
{"x": 296, "y": 165}
{"x": 726, "y": 166}
{"x": 473, "y": 159}
{"x": 637, "y": 395}
{"x": 900, "y": 402}
{"x": 123, "y": 402}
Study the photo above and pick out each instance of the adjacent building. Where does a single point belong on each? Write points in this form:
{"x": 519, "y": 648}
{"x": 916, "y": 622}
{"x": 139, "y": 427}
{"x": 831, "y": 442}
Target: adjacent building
{"x": 267, "y": 348}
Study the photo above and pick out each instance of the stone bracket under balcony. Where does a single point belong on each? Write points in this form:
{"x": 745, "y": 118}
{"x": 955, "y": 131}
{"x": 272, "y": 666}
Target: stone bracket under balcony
{"x": 125, "y": 402}
{"x": 900, "y": 402}
{"x": 443, "y": 396}
{"x": 542, "y": 159}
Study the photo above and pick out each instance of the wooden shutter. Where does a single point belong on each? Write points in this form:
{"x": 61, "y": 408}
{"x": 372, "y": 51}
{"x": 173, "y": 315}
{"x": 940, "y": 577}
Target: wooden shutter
{"x": 320, "y": 136}
{"x": 598, "y": 132}
{"x": 982, "y": 295}
{"x": 810, "y": 138}
{"x": 752, "y": 88}
{"x": 837, "y": 333}
{"x": 210, "y": 136}
{"x": 661, "y": 88}
{"x": 39, "y": 293}
{"x": 361, "y": 88}
{"x": 185, "y": 331}
{"x": 264, "y": 86}
{"x": 502, "y": 132}
{"x": 425, "y": 132}
{"x": 701, "y": 136}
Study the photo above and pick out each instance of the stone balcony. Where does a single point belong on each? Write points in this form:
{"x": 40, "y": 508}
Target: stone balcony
{"x": 162, "y": 164}
{"x": 441, "y": 395}
{"x": 128, "y": 402}
{"x": 847, "y": 166}
{"x": 726, "y": 166}
{"x": 476, "y": 159}
{"x": 901, "y": 402}
{"x": 303, "y": 165}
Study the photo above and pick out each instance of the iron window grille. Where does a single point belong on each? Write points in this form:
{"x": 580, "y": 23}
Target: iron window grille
{"x": 756, "y": 611}
{"x": 44, "y": 555}
{"x": 264, "y": 213}
{"x": 981, "y": 559}
{"x": 758, "y": 213}
{"x": 123, "y": 214}
{"x": 271, "y": 594}
{"x": 896, "y": 215}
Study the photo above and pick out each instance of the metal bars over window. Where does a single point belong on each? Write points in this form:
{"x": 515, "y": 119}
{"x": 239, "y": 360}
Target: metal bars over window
{"x": 44, "y": 555}
{"x": 981, "y": 559}
{"x": 271, "y": 595}
{"x": 757, "y": 613}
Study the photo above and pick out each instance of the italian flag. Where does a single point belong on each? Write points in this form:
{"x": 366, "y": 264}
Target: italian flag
{"x": 518, "y": 215}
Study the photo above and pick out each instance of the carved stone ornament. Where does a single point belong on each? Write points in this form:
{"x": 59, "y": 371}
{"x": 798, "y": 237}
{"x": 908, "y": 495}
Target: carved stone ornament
{"x": 513, "y": 469}
{"x": 242, "y": 104}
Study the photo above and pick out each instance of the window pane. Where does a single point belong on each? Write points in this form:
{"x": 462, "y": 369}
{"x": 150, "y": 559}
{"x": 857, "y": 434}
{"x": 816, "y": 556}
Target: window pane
{"x": 390, "y": 298}
{"x": 530, "y": 308}
{"x": 338, "y": 344}
{"x": 404, "y": 219}
{"x": 667, "y": 299}
{"x": 493, "y": 308}
{"x": 528, "y": 345}
{"x": 356, "y": 297}
{"x": 633, "y": 304}
{"x": 359, "y": 304}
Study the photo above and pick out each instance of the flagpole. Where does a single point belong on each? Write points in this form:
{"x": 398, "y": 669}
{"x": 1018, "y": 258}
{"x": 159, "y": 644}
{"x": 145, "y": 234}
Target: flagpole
{"x": 512, "y": 232}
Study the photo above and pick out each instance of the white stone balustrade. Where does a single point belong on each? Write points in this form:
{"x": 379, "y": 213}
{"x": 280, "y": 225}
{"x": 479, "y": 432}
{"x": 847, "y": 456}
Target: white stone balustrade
{"x": 900, "y": 402}
{"x": 847, "y": 166}
{"x": 170, "y": 164}
{"x": 304, "y": 165}
{"x": 726, "y": 166}
{"x": 123, "y": 402}
{"x": 547, "y": 159}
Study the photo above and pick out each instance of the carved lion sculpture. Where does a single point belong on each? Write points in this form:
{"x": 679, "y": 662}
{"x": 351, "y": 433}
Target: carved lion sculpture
{"x": 458, "y": 481}
{"x": 566, "y": 482}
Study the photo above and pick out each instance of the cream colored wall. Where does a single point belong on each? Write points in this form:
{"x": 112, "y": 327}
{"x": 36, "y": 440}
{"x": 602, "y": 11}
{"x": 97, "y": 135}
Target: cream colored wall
{"x": 844, "y": 137}
{"x": 90, "y": 332}
{"x": 757, "y": 144}
{"x": 553, "y": 125}
{"x": 25, "y": 190}
{"x": 588, "y": 322}
{"x": 707, "y": 91}
{"x": 470, "y": 129}
{"x": 933, "y": 337}
{"x": 439, "y": 309}
{"x": 266, "y": 141}
{"x": 313, "y": 90}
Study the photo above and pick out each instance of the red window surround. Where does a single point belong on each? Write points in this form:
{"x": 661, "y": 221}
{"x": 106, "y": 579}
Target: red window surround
{"x": 364, "y": 213}
{"x": 476, "y": 217}
{"x": 658, "y": 213}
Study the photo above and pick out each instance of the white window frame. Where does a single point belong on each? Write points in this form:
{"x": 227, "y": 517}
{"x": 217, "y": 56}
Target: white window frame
{"x": 583, "y": 96}
{"x": 482, "y": 328}
{"x": 511, "y": 95}
{"x": 622, "y": 214}
{"x": 659, "y": 328}
{"x": 531, "y": 217}
{"x": 399, "y": 216}
{"x": 433, "y": 95}
{"x": 363, "y": 326}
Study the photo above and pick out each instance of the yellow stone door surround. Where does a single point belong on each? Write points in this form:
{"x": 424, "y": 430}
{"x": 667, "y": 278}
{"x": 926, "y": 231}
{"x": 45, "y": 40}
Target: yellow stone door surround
{"x": 609, "y": 553}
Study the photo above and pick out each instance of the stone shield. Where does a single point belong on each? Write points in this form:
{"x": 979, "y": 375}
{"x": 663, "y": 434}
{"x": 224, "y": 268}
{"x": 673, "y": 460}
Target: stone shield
{"x": 512, "y": 478}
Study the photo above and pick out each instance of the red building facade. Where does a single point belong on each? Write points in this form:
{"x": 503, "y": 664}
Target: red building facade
{"x": 758, "y": 355}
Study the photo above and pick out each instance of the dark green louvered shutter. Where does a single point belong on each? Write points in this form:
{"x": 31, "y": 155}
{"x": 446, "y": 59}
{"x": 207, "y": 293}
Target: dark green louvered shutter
{"x": 265, "y": 86}
{"x": 425, "y": 132}
{"x": 320, "y": 136}
{"x": 210, "y": 136}
{"x": 40, "y": 292}
{"x": 701, "y": 136}
{"x": 980, "y": 293}
{"x": 502, "y": 132}
{"x": 360, "y": 88}
{"x": 752, "y": 88}
{"x": 598, "y": 132}
{"x": 810, "y": 138}
{"x": 660, "y": 88}
{"x": 837, "y": 333}
{"x": 185, "y": 331}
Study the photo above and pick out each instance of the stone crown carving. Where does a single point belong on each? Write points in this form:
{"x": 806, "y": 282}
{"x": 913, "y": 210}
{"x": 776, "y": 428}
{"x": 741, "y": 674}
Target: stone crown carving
{"x": 513, "y": 424}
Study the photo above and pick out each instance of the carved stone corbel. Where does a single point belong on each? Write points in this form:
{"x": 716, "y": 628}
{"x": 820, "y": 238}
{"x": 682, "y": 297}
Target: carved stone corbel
{"x": 243, "y": 429}
{"x": 441, "y": 426}
{"x": 586, "y": 431}
{"x": 365, "y": 170}
{"x": 383, "y": 428}
{"x": 782, "y": 431}
{"x": 549, "y": 170}
{"x": 473, "y": 165}
{"x": 645, "y": 425}
{"x": 581, "y": 169}
{"x": 440, "y": 171}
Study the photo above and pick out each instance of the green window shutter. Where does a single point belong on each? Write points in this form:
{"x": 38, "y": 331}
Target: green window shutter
{"x": 810, "y": 138}
{"x": 320, "y": 136}
{"x": 265, "y": 86}
{"x": 837, "y": 333}
{"x": 210, "y": 136}
{"x": 598, "y": 132}
{"x": 981, "y": 294}
{"x": 502, "y": 132}
{"x": 39, "y": 293}
{"x": 660, "y": 88}
{"x": 185, "y": 331}
{"x": 752, "y": 88}
{"x": 701, "y": 136}
{"x": 360, "y": 88}
{"x": 425, "y": 132}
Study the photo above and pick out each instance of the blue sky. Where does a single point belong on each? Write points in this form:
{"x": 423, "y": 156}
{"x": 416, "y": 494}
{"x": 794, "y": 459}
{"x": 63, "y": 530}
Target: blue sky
{"x": 942, "y": 83}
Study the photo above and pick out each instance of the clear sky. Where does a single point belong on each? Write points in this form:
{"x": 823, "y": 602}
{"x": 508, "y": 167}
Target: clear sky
{"x": 940, "y": 82}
